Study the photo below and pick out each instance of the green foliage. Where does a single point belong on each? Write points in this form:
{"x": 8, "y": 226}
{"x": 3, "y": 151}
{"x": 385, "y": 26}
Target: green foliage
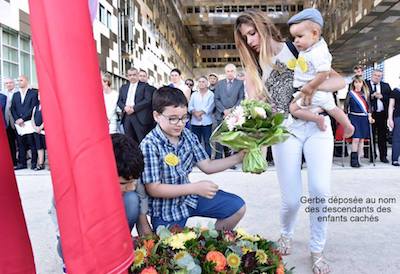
{"x": 261, "y": 128}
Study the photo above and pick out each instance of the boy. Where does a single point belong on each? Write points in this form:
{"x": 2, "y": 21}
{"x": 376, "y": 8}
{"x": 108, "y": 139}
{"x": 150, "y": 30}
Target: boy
{"x": 129, "y": 160}
{"x": 311, "y": 69}
{"x": 170, "y": 151}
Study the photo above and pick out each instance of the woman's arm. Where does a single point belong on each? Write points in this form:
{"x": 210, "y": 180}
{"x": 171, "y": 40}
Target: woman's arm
{"x": 390, "y": 122}
{"x": 334, "y": 83}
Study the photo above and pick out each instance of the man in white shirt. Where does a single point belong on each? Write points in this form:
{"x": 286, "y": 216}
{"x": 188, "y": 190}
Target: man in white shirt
{"x": 201, "y": 106}
{"x": 379, "y": 98}
{"x": 135, "y": 100}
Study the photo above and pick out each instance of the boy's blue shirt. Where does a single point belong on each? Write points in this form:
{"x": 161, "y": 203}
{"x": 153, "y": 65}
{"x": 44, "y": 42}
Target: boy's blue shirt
{"x": 155, "y": 147}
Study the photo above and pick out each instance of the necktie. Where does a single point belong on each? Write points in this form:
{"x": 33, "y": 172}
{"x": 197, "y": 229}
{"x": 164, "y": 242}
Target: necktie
{"x": 229, "y": 85}
{"x": 374, "y": 89}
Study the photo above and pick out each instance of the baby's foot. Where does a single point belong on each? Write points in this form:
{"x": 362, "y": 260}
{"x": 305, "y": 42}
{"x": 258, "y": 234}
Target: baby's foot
{"x": 348, "y": 131}
{"x": 321, "y": 122}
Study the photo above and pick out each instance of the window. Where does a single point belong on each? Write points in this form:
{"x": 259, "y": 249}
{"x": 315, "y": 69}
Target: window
{"x": 211, "y": 9}
{"x": 189, "y": 10}
{"x": 263, "y": 8}
{"x": 25, "y": 63}
{"x": 108, "y": 19}
{"x": 226, "y": 8}
{"x": 196, "y": 9}
{"x": 234, "y": 8}
{"x": 103, "y": 14}
{"x": 292, "y": 7}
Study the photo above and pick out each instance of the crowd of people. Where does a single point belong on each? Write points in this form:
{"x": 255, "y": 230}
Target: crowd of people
{"x": 159, "y": 135}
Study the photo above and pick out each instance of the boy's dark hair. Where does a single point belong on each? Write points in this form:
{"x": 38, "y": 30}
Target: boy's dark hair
{"x": 128, "y": 156}
{"x": 176, "y": 70}
{"x": 168, "y": 97}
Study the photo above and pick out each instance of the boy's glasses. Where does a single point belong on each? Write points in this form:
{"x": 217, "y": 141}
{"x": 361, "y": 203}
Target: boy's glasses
{"x": 175, "y": 120}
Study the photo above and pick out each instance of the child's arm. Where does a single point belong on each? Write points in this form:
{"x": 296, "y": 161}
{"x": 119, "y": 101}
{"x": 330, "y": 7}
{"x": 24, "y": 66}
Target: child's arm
{"x": 142, "y": 226}
{"x": 203, "y": 188}
{"x": 209, "y": 166}
{"x": 334, "y": 83}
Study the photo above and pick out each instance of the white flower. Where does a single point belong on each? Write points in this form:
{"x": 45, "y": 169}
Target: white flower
{"x": 236, "y": 118}
{"x": 260, "y": 112}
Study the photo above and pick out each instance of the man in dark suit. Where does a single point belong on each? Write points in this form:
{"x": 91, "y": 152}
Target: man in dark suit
{"x": 11, "y": 135}
{"x": 379, "y": 98}
{"x": 135, "y": 101}
{"x": 22, "y": 105}
{"x": 228, "y": 94}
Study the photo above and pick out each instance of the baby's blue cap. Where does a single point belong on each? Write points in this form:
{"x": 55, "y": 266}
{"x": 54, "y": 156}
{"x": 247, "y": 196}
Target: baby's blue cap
{"x": 308, "y": 14}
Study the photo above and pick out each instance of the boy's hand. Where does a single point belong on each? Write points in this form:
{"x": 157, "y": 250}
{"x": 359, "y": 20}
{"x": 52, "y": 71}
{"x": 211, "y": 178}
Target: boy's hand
{"x": 206, "y": 189}
{"x": 128, "y": 187}
{"x": 241, "y": 155}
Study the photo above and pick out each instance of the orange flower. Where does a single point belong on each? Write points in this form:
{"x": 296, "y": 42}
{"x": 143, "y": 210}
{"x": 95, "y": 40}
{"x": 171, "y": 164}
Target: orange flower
{"x": 280, "y": 269}
{"x": 149, "y": 270}
{"x": 218, "y": 258}
{"x": 149, "y": 245}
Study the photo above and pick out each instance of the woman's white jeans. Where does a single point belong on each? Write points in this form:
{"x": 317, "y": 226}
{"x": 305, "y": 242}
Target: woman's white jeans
{"x": 317, "y": 146}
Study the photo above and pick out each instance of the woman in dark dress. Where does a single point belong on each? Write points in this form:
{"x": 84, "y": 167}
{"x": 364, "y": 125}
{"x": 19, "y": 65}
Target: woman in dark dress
{"x": 358, "y": 109}
{"x": 394, "y": 124}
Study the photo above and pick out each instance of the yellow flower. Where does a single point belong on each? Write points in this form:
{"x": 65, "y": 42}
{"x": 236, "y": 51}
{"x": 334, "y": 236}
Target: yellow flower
{"x": 171, "y": 159}
{"x": 261, "y": 256}
{"x": 179, "y": 255}
{"x": 300, "y": 62}
{"x": 241, "y": 233}
{"x": 246, "y": 250}
{"x": 140, "y": 254}
{"x": 178, "y": 241}
{"x": 233, "y": 260}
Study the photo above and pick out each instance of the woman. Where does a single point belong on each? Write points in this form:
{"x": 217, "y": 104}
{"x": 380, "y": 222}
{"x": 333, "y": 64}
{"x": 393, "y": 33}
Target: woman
{"x": 394, "y": 124}
{"x": 358, "y": 109}
{"x": 265, "y": 56}
{"x": 110, "y": 101}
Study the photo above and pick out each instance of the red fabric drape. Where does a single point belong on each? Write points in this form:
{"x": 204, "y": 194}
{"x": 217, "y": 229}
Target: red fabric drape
{"x": 15, "y": 247}
{"x": 94, "y": 231}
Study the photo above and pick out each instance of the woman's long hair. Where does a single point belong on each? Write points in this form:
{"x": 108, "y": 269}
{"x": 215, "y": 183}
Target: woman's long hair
{"x": 252, "y": 61}
{"x": 364, "y": 88}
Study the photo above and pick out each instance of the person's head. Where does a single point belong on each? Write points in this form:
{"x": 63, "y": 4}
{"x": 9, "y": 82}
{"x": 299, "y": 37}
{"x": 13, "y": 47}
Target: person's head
{"x": 306, "y": 27}
{"x": 143, "y": 76}
{"x": 202, "y": 83}
{"x": 9, "y": 84}
{"x": 132, "y": 75}
{"x": 128, "y": 158}
{"x": 212, "y": 79}
{"x": 170, "y": 110}
{"x": 358, "y": 70}
{"x": 253, "y": 33}
{"x": 241, "y": 76}
{"x": 358, "y": 84}
{"x": 190, "y": 83}
{"x": 106, "y": 80}
{"x": 376, "y": 76}
{"x": 175, "y": 75}
{"x": 230, "y": 71}
{"x": 305, "y": 34}
{"x": 23, "y": 82}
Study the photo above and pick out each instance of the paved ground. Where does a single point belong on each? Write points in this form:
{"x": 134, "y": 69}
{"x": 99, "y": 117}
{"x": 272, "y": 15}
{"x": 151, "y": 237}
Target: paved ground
{"x": 352, "y": 247}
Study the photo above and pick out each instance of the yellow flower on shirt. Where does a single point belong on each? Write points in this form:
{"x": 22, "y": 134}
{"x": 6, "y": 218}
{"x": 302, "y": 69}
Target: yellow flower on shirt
{"x": 171, "y": 159}
{"x": 301, "y": 62}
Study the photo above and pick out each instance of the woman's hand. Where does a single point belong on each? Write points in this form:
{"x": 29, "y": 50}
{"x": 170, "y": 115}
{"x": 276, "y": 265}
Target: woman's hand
{"x": 390, "y": 124}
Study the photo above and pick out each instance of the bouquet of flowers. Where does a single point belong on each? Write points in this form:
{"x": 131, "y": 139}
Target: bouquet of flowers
{"x": 205, "y": 250}
{"x": 250, "y": 126}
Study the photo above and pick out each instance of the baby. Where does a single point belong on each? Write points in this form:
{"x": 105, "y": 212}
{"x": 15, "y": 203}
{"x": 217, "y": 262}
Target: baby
{"x": 311, "y": 69}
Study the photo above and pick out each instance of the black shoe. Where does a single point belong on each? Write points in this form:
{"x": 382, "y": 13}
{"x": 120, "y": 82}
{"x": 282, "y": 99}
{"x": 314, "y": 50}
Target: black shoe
{"x": 19, "y": 166}
{"x": 233, "y": 167}
{"x": 354, "y": 160}
{"x": 395, "y": 163}
{"x": 384, "y": 160}
{"x": 39, "y": 167}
